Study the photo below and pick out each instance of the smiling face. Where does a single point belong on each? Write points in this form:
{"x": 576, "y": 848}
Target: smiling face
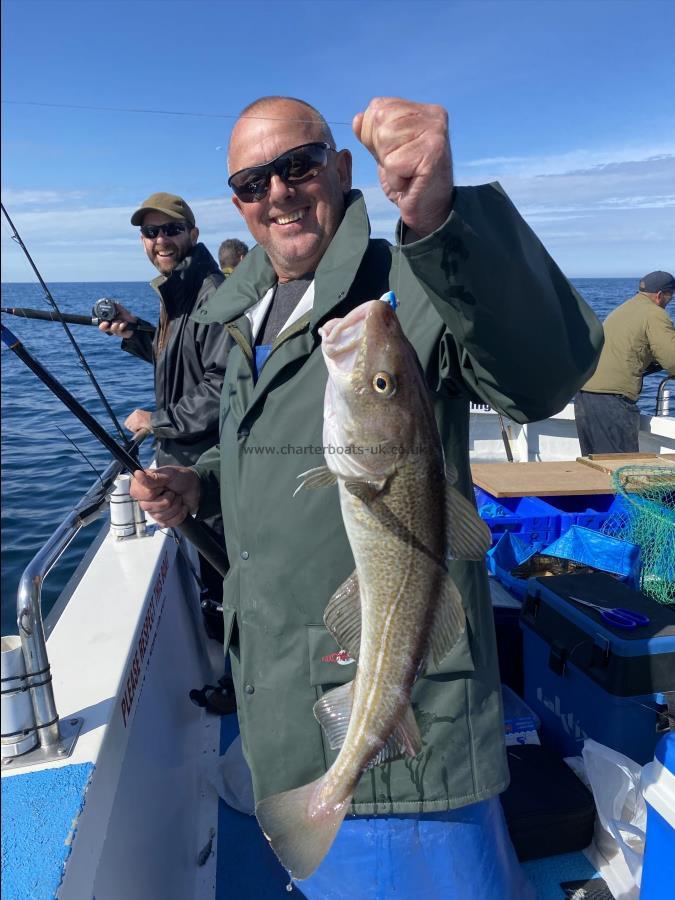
{"x": 166, "y": 252}
{"x": 293, "y": 223}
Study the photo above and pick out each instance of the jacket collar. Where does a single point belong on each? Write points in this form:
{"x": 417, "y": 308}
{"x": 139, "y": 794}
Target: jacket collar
{"x": 334, "y": 276}
{"x": 186, "y": 279}
{"x": 340, "y": 263}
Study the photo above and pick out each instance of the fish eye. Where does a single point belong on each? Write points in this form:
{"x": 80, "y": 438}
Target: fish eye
{"x": 384, "y": 383}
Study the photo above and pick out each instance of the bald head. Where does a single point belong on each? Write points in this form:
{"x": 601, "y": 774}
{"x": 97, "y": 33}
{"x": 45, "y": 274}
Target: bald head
{"x": 290, "y": 114}
{"x": 292, "y": 218}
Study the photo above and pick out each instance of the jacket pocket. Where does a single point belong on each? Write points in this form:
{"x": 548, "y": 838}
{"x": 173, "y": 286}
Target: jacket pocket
{"x": 328, "y": 664}
{"x": 228, "y": 626}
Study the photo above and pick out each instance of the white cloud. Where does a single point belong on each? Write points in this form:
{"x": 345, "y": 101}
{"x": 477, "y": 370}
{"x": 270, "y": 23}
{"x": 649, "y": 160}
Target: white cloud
{"x": 94, "y": 243}
{"x": 598, "y": 212}
{"x": 16, "y": 198}
{"x": 580, "y": 160}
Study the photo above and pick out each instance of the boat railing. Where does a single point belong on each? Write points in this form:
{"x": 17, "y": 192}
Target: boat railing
{"x": 55, "y": 738}
{"x": 663, "y": 397}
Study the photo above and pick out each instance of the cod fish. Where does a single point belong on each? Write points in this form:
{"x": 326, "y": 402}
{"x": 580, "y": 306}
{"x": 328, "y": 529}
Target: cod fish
{"x": 400, "y": 608}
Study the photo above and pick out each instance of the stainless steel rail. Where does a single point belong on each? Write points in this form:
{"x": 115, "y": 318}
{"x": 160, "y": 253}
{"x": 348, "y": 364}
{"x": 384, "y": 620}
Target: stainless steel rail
{"x": 29, "y": 605}
{"x": 663, "y": 397}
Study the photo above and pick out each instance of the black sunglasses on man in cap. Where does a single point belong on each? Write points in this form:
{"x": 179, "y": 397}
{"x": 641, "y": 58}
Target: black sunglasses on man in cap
{"x": 168, "y": 229}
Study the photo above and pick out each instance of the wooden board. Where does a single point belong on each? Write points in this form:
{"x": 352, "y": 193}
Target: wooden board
{"x": 540, "y": 479}
{"x": 610, "y": 462}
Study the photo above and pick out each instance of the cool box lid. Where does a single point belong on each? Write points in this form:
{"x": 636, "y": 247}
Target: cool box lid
{"x": 635, "y": 662}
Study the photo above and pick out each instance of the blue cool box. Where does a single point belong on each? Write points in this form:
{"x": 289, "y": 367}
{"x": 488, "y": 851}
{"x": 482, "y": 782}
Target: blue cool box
{"x": 586, "y": 678}
{"x": 658, "y": 784}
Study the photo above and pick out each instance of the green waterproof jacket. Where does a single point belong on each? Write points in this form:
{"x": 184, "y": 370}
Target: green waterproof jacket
{"x": 491, "y": 318}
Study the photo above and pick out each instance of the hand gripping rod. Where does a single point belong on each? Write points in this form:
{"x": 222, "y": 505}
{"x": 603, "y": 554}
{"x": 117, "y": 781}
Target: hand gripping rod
{"x": 194, "y": 531}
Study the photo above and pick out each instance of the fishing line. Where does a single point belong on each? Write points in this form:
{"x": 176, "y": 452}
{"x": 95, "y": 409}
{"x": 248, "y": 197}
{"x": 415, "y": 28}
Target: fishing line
{"x": 399, "y": 244}
{"x": 164, "y": 112}
{"x": 82, "y": 454}
{"x": 83, "y": 362}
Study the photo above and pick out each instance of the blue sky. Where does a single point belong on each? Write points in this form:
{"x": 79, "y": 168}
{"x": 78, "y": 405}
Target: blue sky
{"x": 570, "y": 105}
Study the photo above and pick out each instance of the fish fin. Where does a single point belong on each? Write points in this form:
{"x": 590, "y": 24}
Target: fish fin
{"x": 343, "y": 615}
{"x": 405, "y": 740}
{"x": 299, "y": 829}
{"x": 468, "y": 536}
{"x": 450, "y": 473}
{"x": 366, "y": 491}
{"x": 449, "y": 621}
{"x": 333, "y": 712}
{"x": 408, "y": 734}
{"x": 319, "y": 477}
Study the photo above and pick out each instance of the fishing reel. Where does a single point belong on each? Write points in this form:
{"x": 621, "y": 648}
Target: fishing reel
{"x": 104, "y": 309}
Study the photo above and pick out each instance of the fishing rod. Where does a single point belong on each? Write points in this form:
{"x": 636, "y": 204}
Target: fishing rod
{"x": 104, "y": 310}
{"x": 83, "y": 362}
{"x": 194, "y": 531}
{"x": 505, "y": 438}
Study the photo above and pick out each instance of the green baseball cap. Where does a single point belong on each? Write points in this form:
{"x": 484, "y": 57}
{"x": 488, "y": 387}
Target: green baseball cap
{"x": 169, "y": 204}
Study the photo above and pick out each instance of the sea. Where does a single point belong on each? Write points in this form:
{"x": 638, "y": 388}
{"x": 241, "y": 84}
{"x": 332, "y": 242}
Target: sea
{"x": 49, "y": 460}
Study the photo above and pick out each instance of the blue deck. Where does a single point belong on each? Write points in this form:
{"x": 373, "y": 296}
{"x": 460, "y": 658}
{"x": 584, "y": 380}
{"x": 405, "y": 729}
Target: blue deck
{"x": 249, "y": 870}
{"x": 40, "y": 812}
{"x": 247, "y": 866}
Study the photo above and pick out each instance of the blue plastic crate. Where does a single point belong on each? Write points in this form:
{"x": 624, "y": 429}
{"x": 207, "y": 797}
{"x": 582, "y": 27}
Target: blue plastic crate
{"x": 532, "y": 518}
{"x": 588, "y": 511}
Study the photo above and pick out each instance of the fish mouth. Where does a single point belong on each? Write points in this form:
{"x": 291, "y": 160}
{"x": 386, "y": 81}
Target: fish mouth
{"x": 342, "y": 338}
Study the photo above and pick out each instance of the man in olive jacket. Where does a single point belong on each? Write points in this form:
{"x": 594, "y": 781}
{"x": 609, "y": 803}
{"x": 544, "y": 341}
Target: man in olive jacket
{"x": 639, "y": 340}
{"x": 491, "y": 318}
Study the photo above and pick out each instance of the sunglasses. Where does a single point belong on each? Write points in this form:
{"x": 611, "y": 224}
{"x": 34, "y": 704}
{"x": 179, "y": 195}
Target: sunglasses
{"x": 169, "y": 229}
{"x": 294, "y": 166}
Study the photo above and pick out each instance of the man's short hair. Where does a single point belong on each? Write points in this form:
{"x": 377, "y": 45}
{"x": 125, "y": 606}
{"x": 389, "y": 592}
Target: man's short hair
{"x": 230, "y": 252}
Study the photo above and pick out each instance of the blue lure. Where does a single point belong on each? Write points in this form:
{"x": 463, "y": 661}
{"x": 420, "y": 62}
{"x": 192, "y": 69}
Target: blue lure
{"x": 390, "y": 298}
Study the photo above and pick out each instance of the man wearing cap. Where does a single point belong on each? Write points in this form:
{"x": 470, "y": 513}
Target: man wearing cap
{"x": 230, "y": 254}
{"x": 189, "y": 357}
{"x": 639, "y": 340}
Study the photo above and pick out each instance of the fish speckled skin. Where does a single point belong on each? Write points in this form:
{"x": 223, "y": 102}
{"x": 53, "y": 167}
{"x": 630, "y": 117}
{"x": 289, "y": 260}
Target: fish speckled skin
{"x": 400, "y": 608}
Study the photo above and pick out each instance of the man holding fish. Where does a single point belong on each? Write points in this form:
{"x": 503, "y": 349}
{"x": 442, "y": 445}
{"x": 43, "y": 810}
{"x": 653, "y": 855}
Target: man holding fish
{"x": 364, "y": 655}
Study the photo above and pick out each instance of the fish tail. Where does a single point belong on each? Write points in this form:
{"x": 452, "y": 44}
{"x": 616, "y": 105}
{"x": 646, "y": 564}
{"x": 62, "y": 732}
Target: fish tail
{"x": 301, "y": 829}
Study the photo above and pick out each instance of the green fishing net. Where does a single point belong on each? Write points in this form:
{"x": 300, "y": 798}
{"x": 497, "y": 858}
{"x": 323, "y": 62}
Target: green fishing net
{"x": 645, "y": 515}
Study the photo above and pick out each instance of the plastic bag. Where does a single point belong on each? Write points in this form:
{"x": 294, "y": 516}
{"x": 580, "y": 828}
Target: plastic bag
{"x": 509, "y": 552}
{"x": 583, "y": 545}
{"x": 231, "y": 778}
{"x": 621, "y": 808}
